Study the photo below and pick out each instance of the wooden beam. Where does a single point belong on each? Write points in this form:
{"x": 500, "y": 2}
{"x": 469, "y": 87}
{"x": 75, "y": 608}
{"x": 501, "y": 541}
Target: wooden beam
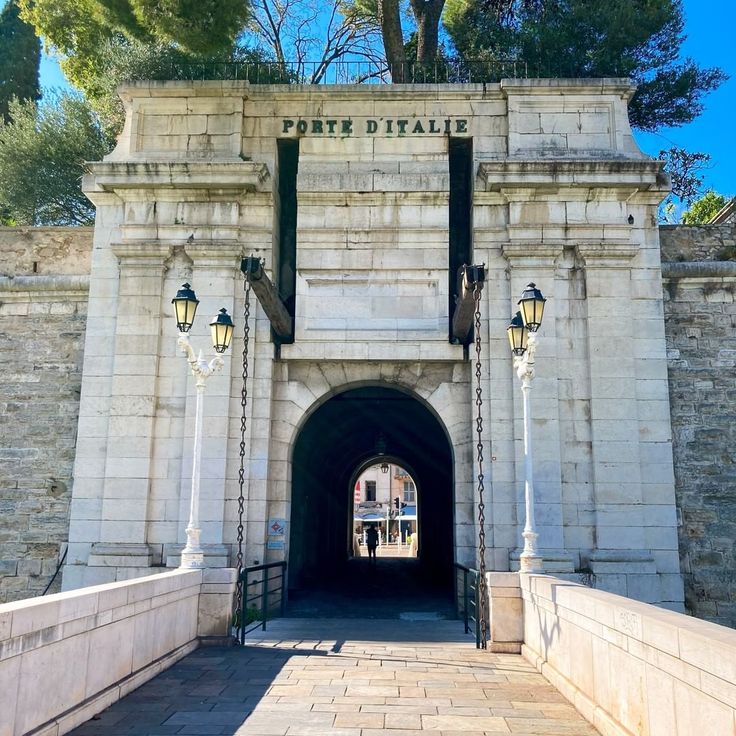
{"x": 468, "y": 278}
{"x": 267, "y": 295}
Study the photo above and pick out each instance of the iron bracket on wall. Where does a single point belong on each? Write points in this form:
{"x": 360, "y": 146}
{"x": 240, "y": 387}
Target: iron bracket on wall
{"x": 267, "y": 295}
{"x": 462, "y": 320}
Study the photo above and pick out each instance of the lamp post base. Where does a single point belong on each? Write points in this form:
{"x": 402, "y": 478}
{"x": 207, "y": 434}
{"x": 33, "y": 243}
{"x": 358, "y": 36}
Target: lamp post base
{"x": 531, "y": 563}
{"x": 192, "y": 556}
{"x": 530, "y": 560}
{"x": 192, "y": 560}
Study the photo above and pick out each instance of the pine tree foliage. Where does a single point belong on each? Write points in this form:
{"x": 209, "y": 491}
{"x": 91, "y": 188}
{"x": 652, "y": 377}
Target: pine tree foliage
{"x": 20, "y": 55}
{"x": 43, "y": 150}
{"x": 78, "y": 29}
{"x": 640, "y": 39}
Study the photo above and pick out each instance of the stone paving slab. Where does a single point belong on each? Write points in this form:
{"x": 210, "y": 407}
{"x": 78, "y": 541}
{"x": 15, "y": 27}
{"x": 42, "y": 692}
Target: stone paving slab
{"x": 346, "y": 677}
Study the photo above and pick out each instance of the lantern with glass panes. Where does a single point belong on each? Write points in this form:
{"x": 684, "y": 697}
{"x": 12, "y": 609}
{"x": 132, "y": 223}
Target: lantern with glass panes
{"x": 185, "y": 308}
{"x": 527, "y": 320}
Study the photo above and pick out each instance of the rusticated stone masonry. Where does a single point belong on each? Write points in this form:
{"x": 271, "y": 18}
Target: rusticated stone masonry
{"x": 43, "y": 312}
{"x": 700, "y": 314}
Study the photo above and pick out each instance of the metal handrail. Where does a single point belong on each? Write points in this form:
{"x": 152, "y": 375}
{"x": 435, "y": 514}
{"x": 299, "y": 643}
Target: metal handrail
{"x": 265, "y": 595}
{"x": 470, "y": 591}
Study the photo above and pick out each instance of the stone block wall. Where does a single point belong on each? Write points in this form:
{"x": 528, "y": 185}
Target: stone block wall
{"x": 43, "y": 312}
{"x": 700, "y": 319}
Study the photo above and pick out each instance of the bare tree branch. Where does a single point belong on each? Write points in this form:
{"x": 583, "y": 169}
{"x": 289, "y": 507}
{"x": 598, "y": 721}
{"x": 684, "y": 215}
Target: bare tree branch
{"x": 315, "y": 34}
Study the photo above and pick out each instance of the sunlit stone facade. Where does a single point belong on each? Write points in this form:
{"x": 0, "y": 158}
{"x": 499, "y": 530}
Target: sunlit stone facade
{"x": 362, "y": 201}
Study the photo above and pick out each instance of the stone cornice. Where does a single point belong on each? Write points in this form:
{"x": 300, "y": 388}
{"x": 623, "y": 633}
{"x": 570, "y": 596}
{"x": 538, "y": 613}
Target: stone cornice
{"x": 147, "y": 254}
{"x": 699, "y": 270}
{"x": 233, "y": 178}
{"x": 248, "y": 91}
{"x": 620, "y": 86}
{"x": 336, "y": 199}
{"x": 607, "y": 252}
{"x": 532, "y": 253}
{"x": 238, "y": 88}
{"x": 627, "y": 175}
{"x": 215, "y": 253}
{"x": 43, "y": 287}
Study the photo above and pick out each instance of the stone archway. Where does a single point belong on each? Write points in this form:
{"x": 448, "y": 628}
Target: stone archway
{"x": 337, "y": 438}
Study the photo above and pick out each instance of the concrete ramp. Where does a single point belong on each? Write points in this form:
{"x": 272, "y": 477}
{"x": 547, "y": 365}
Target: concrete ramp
{"x": 353, "y": 677}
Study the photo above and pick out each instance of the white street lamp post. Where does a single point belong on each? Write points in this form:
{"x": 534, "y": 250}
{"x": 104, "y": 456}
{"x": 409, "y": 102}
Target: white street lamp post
{"x": 185, "y": 304}
{"x": 192, "y": 555}
{"x": 530, "y": 560}
{"x": 522, "y": 334}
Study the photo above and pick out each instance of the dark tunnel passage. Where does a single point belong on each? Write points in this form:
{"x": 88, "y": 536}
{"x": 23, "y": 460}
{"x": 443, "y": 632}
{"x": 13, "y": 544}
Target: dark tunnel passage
{"x": 340, "y": 437}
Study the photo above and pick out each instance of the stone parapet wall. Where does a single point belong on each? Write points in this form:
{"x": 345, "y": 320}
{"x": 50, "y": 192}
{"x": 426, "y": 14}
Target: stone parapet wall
{"x": 65, "y": 658}
{"x": 700, "y": 320}
{"x": 629, "y": 667}
{"x": 43, "y": 312}
{"x": 698, "y": 242}
{"x": 45, "y": 250}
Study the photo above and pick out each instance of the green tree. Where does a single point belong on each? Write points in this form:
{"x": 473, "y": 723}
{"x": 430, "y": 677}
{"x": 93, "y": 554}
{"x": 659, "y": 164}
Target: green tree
{"x": 80, "y": 30}
{"x": 640, "y": 39}
{"x": 204, "y": 26}
{"x": 703, "y": 210}
{"x": 19, "y": 59}
{"x": 42, "y": 153}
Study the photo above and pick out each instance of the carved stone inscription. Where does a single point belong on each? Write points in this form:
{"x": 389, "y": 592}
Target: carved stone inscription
{"x": 373, "y": 126}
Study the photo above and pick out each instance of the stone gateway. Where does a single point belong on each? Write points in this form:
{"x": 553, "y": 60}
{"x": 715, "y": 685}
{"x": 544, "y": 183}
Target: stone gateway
{"x": 363, "y": 203}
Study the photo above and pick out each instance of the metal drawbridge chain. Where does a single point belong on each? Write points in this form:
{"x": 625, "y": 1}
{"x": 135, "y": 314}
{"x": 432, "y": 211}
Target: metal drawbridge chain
{"x": 243, "y": 424}
{"x": 482, "y": 586}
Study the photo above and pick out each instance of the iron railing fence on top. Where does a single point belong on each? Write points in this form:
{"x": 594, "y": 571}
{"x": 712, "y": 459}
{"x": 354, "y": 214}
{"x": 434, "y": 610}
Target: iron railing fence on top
{"x": 374, "y": 72}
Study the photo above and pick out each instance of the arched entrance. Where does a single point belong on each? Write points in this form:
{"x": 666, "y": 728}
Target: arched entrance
{"x": 337, "y": 440}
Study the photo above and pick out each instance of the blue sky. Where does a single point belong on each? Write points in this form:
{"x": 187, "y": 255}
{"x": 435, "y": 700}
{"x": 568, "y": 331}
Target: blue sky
{"x": 710, "y": 30}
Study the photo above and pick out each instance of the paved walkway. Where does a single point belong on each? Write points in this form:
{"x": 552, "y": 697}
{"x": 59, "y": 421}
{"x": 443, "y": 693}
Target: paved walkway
{"x": 347, "y": 677}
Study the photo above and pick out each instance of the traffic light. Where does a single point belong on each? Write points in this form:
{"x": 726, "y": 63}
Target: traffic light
{"x": 396, "y": 502}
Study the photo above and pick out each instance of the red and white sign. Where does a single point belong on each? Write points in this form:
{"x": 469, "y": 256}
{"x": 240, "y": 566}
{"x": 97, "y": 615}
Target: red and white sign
{"x": 356, "y": 495}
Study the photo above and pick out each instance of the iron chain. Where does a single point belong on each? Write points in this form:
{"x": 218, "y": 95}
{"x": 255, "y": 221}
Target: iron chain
{"x": 482, "y": 587}
{"x": 243, "y": 425}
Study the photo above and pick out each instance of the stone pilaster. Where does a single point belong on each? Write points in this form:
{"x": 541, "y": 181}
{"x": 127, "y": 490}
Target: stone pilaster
{"x": 128, "y": 463}
{"x": 620, "y": 532}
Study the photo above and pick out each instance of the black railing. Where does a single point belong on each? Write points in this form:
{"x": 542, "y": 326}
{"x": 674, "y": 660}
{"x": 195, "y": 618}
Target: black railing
{"x": 259, "y": 599}
{"x": 466, "y": 599}
{"x": 355, "y": 72}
